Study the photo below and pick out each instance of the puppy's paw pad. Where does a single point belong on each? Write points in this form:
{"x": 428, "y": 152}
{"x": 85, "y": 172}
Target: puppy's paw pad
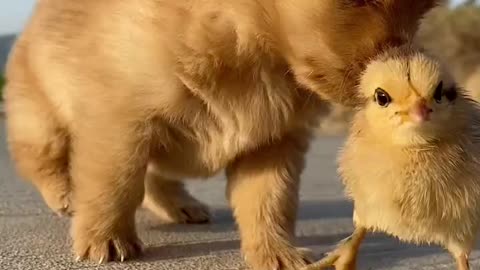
{"x": 197, "y": 213}
{"x": 57, "y": 199}
{"x": 280, "y": 258}
{"x": 102, "y": 251}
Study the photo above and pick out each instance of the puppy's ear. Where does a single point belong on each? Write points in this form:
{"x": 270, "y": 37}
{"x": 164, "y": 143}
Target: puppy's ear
{"x": 405, "y": 15}
{"x": 357, "y": 3}
{"x": 425, "y": 4}
{"x": 361, "y": 3}
{"x": 417, "y": 6}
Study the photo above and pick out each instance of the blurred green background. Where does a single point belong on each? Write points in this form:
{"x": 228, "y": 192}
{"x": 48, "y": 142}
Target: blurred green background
{"x": 2, "y": 82}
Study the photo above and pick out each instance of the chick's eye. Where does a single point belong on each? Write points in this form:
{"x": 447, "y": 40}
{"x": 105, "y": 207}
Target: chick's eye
{"x": 437, "y": 95}
{"x": 382, "y": 97}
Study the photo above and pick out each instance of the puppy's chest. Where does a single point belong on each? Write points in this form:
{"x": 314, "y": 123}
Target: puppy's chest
{"x": 223, "y": 136}
{"x": 230, "y": 105}
{"x": 209, "y": 139}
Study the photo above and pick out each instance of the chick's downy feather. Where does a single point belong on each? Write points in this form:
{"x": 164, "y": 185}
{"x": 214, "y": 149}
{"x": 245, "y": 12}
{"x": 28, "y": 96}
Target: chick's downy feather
{"x": 416, "y": 180}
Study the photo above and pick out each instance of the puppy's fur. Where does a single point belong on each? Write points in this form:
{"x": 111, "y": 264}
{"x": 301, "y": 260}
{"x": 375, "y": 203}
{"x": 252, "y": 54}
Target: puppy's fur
{"x": 100, "y": 90}
{"x": 473, "y": 84}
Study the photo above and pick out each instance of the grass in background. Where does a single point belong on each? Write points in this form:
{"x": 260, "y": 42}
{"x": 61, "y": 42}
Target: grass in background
{"x": 2, "y": 82}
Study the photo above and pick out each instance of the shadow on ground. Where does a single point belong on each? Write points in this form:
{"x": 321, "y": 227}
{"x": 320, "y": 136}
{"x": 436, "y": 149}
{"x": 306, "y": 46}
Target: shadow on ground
{"x": 223, "y": 217}
{"x": 373, "y": 251}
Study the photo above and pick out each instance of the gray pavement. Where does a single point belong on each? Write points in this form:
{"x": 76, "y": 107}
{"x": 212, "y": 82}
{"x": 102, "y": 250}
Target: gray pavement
{"x": 32, "y": 238}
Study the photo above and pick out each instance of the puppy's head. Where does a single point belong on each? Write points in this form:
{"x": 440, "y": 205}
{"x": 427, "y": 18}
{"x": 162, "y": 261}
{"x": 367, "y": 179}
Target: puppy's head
{"x": 331, "y": 41}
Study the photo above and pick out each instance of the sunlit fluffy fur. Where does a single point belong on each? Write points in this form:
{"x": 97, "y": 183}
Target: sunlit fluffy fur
{"x": 100, "y": 90}
{"x": 417, "y": 181}
{"x": 473, "y": 84}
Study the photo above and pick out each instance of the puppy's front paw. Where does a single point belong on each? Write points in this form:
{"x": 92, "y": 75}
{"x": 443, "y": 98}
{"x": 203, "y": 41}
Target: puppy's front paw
{"x": 277, "y": 258}
{"x": 104, "y": 246}
{"x": 57, "y": 198}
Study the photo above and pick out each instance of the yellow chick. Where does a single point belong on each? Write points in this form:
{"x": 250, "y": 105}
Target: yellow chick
{"x": 411, "y": 163}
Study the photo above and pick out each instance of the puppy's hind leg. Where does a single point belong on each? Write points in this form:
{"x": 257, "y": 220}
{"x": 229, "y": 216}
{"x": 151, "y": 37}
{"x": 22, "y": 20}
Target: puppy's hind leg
{"x": 39, "y": 146}
{"x": 171, "y": 202}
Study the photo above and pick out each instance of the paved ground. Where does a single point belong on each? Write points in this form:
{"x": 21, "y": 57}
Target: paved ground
{"x": 31, "y": 238}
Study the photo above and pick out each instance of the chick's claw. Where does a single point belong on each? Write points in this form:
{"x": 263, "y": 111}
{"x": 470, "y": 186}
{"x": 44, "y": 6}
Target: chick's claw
{"x": 345, "y": 254}
{"x": 325, "y": 263}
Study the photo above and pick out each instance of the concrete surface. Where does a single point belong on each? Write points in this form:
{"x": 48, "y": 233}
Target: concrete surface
{"x": 32, "y": 238}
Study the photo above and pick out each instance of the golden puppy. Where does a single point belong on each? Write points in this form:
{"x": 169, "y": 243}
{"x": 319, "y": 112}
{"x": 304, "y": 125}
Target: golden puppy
{"x": 99, "y": 91}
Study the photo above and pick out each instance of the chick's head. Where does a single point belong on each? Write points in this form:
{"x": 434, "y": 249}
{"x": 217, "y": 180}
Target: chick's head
{"x": 411, "y": 99}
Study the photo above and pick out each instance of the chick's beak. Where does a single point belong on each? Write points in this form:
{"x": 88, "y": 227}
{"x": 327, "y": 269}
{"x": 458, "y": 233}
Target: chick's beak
{"x": 420, "y": 112}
